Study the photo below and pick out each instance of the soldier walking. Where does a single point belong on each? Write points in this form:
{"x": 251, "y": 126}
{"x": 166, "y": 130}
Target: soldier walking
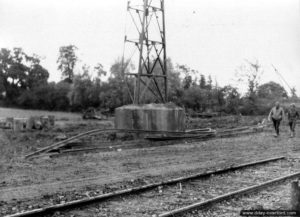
{"x": 293, "y": 115}
{"x": 276, "y": 115}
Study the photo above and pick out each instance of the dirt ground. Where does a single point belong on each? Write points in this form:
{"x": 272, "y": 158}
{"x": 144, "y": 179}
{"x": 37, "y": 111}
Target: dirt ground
{"x": 24, "y": 180}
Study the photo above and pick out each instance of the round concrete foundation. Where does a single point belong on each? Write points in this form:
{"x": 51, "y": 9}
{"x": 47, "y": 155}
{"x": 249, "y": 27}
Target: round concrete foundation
{"x": 154, "y": 117}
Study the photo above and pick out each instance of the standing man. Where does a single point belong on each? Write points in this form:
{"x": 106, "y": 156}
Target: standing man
{"x": 276, "y": 114}
{"x": 293, "y": 115}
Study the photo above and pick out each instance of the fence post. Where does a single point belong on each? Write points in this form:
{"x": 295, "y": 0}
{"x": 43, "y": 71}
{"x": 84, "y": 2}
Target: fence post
{"x": 295, "y": 196}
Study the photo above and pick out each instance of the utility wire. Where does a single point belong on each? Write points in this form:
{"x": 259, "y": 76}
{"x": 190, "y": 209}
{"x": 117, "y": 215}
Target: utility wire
{"x": 282, "y": 78}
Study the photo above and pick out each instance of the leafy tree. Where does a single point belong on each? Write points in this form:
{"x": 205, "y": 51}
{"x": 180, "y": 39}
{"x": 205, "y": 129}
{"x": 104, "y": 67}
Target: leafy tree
{"x": 196, "y": 99}
{"x": 271, "y": 90}
{"x": 25, "y": 83}
{"x": 99, "y": 70}
{"x": 59, "y": 96}
{"x": 232, "y": 99}
{"x": 50, "y": 96}
{"x": 19, "y": 72}
{"x": 186, "y": 71}
{"x": 187, "y": 82}
{"x": 115, "y": 92}
{"x": 192, "y": 98}
{"x": 175, "y": 84}
{"x": 37, "y": 76}
{"x": 202, "y": 82}
{"x": 81, "y": 90}
{"x": 66, "y": 62}
{"x": 13, "y": 72}
{"x": 217, "y": 98}
{"x": 250, "y": 72}
{"x": 293, "y": 92}
{"x": 209, "y": 83}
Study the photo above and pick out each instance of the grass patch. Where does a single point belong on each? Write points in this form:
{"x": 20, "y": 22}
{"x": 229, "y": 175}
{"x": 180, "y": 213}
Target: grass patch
{"x": 24, "y": 113}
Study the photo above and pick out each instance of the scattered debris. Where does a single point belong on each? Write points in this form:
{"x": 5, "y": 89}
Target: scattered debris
{"x": 61, "y": 137}
{"x": 92, "y": 113}
{"x": 31, "y": 123}
{"x": 160, "y": 189}
{"x": 205, "y": 114}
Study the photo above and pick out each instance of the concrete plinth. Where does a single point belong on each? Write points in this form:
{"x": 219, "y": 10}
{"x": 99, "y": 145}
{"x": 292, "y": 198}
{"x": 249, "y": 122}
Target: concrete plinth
{"x": 154, "y": 117}
{"x": 30, "y": 123}
{"x": 18, "y": 125}
{"x": 45, "y": 122}
{"x": 37, "y": 124}
{"x": 51, "y": 120}
{"x": 9, "y": 122}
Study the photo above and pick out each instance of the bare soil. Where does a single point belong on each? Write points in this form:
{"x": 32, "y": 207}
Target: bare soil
{"x": 42, "y": 178}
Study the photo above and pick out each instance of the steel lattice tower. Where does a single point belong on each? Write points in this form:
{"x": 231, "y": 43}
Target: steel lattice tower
{"x": 151, "y": 75}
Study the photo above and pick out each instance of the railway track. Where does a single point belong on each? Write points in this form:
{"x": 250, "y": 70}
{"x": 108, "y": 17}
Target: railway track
{"x": 181, "y": 195}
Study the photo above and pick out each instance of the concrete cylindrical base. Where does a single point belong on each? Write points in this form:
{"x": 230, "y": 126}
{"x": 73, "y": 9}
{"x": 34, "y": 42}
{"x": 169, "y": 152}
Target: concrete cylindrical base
{"x": 51, "y": 120}
{"x": 18, "y": 125}
{"x": 153, "y": 117}
{"x": 45, "y": 122}
{"x": 30, "y": 123}
{"x": 9, "y": 122}
{"x": 37, "y": 124}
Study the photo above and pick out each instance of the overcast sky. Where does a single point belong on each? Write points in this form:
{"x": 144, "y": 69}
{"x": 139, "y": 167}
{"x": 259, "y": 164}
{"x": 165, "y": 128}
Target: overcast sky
{"x": 211, "y": 36}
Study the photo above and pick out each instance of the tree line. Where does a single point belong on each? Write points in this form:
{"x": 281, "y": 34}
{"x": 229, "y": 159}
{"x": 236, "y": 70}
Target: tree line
{"x": 24, "y": 83}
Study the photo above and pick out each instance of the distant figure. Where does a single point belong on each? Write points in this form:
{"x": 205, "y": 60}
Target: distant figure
{"x": 276, "y": 114}
{"x": 293, "y": 115}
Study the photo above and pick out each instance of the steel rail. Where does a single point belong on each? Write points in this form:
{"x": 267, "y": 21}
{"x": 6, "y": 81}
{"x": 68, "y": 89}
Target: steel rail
{"x": 241, "y": 192}
{"x": 97, "y": 131}
{"x": 64, "y": 142}
{"x": 199, "y": 135}
{"x": 191, "y": 138}
{"x": 205, "y": 135}
{"x": 77, "y": 203}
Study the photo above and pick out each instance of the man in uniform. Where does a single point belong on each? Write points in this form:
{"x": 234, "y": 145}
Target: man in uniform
{"x": 276, "y": 115}
{"x": 293, "y": 115}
